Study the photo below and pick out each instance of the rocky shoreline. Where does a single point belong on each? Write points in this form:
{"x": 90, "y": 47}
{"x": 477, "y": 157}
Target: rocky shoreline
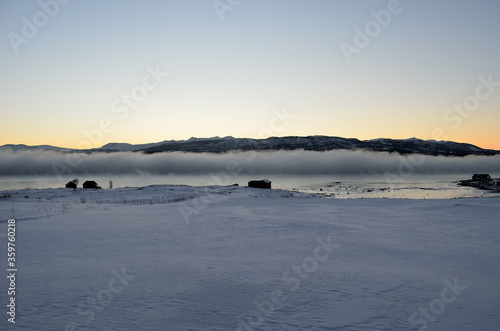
{"x": 483, "y": 182}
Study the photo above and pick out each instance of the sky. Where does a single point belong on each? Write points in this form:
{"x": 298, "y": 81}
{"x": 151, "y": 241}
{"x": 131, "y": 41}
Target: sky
{"x": 80, "y": 74}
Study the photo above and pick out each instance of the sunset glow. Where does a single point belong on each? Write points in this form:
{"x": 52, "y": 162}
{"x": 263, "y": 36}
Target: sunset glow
{"x": 174, "y": 70}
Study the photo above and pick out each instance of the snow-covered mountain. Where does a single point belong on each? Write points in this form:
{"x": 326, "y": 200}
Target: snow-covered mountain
{"x": 21, "y": 148}
{"x": 310, "y": 143}
{"x": 124, "y": 147}
{"x": 320, "y": 143}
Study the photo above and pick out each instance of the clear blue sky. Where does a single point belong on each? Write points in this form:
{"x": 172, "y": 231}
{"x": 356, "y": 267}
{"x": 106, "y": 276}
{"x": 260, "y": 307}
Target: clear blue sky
{"x": 63, "y": 85}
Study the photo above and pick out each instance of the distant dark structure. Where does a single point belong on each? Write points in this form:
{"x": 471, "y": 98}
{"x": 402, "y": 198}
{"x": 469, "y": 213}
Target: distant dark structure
{"x": 90, "y": 184}
{"x": 481, "y": 177}
{"x": 263, "y": 183}
{"x": 481, "y": 181}
{"x": 72, "y": 184}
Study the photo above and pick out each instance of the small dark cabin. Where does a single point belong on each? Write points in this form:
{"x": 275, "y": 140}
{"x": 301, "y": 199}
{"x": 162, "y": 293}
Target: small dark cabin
{"x": 71, "y": 184}
{"x": 481, "y": 177}
{"x": 263, "y": 183}
{"x": 90, "y": 184}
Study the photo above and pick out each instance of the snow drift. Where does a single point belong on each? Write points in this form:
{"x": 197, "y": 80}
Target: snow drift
{"x": 231, "y": 258}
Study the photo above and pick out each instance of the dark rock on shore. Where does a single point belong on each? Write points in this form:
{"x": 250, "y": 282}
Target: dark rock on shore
{"x": 483, "y": 182}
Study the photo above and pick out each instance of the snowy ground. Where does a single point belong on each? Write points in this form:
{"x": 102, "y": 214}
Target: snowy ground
{"x": 234, "y": 258}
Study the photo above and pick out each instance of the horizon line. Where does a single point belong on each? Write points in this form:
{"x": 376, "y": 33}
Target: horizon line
{"x": 232, "y": 137}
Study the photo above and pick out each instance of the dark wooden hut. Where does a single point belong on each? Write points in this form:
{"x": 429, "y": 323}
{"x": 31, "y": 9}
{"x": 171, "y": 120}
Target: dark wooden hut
{"x": 90, "y": 184}
{"x": 263, "y": 183}
{"x": 481, "y": 177}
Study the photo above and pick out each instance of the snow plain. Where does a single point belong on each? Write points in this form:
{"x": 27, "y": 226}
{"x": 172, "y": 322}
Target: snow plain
{"x": 235, "y": 258}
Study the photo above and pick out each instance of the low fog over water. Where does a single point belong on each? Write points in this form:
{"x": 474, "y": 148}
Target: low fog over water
{"x": 275, "y": 162}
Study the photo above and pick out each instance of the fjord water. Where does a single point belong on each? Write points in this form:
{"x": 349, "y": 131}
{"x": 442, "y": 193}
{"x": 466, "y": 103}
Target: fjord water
{"x": 415, "y": 186}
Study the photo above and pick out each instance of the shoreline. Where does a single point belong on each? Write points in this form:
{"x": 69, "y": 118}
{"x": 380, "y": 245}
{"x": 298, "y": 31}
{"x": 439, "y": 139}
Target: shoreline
{"x": 36, "y": 203}
{"x": 319, "y": 193}
{"x": 340, "y": 186}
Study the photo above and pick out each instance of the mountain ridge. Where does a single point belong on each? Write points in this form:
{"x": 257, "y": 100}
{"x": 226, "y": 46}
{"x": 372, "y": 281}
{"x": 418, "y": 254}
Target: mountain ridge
{"x": 308, "y": 143}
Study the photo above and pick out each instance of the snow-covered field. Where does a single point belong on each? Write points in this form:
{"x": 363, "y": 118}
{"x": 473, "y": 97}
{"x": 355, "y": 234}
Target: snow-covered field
{"x": 235, "y": 258}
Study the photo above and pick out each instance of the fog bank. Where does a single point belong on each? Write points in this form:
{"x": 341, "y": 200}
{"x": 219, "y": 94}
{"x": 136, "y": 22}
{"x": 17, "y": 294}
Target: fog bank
{"x": 274, "y": 162}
